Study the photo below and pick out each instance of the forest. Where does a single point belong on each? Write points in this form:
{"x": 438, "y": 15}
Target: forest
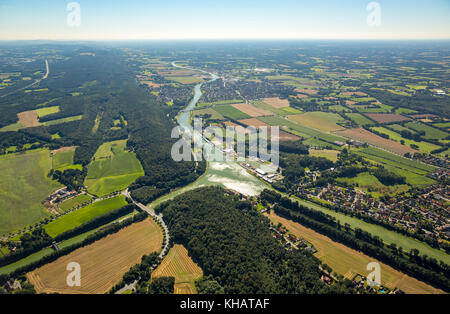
{"x": 233, "y": 245}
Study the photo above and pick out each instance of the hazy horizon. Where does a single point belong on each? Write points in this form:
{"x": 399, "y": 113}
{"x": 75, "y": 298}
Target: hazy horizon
{"x": 232, "y": 20}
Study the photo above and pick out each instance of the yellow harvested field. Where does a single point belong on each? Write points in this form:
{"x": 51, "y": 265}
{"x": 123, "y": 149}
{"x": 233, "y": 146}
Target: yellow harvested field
{"x": 103, "y": 263}
{"x": 348, "y": 262}
{"x": 252, "y": 111}
{"x": 277, "y": 102}
{"x": 28, "y": 118}
{"x": 178, "y": 264}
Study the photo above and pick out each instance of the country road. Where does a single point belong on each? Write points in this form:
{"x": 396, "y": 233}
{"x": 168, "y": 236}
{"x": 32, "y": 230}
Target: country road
{"x": 47, "y": 72}
{"x": 159, "y": 217}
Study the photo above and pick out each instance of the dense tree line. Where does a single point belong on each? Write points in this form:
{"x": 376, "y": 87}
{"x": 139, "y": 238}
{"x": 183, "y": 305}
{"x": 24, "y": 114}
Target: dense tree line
{"x": 29, "y": 243}
{"x": 97, "y": 222}
{"x": 233, "y": 245}
{"x": 89, "y": 240}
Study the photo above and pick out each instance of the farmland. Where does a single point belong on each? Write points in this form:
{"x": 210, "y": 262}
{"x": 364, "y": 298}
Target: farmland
{"x": 230, "y": 112}
{"x": 112, "y": 169}
{"x": 365, "y": 136}
{"x": 251, "y": 110}
{"x": 348, "y": 262}
{"x": 323, "y": 121}
{"x": 178, "y": 264}
{"x": 74, "y": 202}
{"x": 277, "y": 102}
{"x": 103, "y": 263}
{"x": 359, "y": 119}
{"x": 63, "y": 159}
{"x": 83, "y": 215}
{"x": 326, "y": 153}
{"x": 386, "y": 117}
{"x": 430, "y": 132}
{"x": 24, "y": 184}
{"x": 422, "y": 146}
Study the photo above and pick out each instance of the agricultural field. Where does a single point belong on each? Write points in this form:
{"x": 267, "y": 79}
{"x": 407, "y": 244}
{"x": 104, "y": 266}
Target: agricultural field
{"x": 208, "y": 111}
{"x": 414, "y": 172}
{"x": 422, "y": 146}
{"x": 324, "y": 121}
{"x": 27, "y": 119}
{"x": 74, "y": 202}
{"x": 284, "y": 111}
{"x": 62, "y": 159}
{"x": 349, "y": 262}
{"x": 359, "y": 119}
{"x": 112, "y": 169}
{"x": 365, "y": 136}
{"x": 430, "y": 132}
{"x": 42, "y": 112}
{"x": 301, "y": 130}
{"x": 326, "y": 153}
{"x": 252, "y": 111}
{"x": 84, "y": 215}
{"x": 230, "y": 112}
{"x": 178, "y": 264}
{"x": 63, "y": 120}
{"x": 24, "y": 184}
{"x": 370, "y": 184}
{"x": 103, "y": 262}
{"x": 277, "y": 103}
{"x": 387, "y": 117}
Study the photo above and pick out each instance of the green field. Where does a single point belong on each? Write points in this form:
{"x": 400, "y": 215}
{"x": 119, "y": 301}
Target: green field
{"x": 282, "y": 111}
{"x": 404, "y": 111}
{"x": 63, "y": 120}
{"x": 430, "y": 132}
{"x": 414, "y": 172}
{"x": 24, "y": 184}
{"x": 112, "y": 169}
{"x": 423, "y": 146}
{"x": 42, "y": 112}
{"x": 84, "y": 215}
{"x": 64, "y": 160}
{"x": 74, "y": 202}
{"x": 370, "y": 184}
{"x": 444, "y": 125}
{"x": 209, "y": 111}
{"x": 230, "y": 112}
{"x": 302, "y": 130}
{"x": 323, "y": 121}
{"x": 359, "y": 119}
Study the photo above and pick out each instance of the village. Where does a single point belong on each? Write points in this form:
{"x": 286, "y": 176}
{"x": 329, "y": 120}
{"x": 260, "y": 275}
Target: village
{"x": 427, "y": 209}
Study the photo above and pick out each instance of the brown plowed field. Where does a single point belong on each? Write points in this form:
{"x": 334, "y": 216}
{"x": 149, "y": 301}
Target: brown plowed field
{"x": 365, "y": 136}
{"x": 386, "y": 117}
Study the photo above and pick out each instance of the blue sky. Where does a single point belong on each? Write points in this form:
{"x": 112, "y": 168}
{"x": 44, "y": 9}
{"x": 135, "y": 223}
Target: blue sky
{"x": 203, "y": 19}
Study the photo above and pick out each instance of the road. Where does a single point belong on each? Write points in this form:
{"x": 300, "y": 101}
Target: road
{"x": 47, "y": 72}
{"x": 159, "y": 217}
